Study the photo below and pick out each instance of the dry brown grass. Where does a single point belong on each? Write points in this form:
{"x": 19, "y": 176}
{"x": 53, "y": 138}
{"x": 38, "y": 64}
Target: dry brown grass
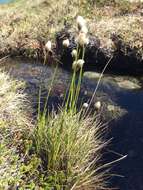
{"x": 14, "y": 124}
{"x": 27, "y": 25}
{"x": 14, "y": 118}
{"x": 129, "y": 28}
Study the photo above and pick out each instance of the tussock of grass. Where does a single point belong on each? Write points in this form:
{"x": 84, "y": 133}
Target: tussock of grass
{"x": 63, "y": 151}
{"x": 70, "y": 147}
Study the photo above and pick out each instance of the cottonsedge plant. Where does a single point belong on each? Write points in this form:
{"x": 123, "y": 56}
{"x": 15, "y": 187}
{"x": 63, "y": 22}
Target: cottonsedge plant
{"x": 68, "y": 144}
{"x": 78, "y": 63}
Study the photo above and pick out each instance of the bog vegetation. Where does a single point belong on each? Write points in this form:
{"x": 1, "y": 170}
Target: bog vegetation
{"x": 61, "y": 150}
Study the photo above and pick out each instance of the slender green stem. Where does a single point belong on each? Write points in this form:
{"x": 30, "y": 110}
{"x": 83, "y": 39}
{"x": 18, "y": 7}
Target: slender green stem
{"x": 39, "y": 104}
{"x": 98, "y": 83}
{"x": 71, "y": 91}
{"x": 80, "y": 78}
{"x": 70, "y": 102}
{"x": 49, "y": 91}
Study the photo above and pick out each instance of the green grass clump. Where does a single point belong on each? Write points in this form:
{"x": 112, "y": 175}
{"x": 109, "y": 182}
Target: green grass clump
{"x": 70, "y": 147}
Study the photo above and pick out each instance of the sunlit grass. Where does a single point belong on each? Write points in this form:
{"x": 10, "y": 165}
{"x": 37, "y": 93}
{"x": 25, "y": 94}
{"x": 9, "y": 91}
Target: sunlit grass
{"x": 14, "y": 124}
{"x": 26, "y": 24}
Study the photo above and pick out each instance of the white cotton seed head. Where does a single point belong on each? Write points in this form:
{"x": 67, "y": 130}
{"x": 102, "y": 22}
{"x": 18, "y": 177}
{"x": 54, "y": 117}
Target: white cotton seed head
{"x": 74, "y": 65}
{"x": 82, "y": 39}
{"x": 74, "y": 53}
{"x": 84, "y": 29}
{"x": 77, "y": 64}
{"x": 80, "y": 63}
{"x": 48, "y": 46}
{"x": 85, "y": 105}
{"x": 66, "y": 43}
{"x": 97, "y": 105}
{"x": 80, "y": 22}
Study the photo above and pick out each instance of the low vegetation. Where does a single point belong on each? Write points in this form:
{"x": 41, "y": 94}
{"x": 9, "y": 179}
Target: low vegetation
{"x": 14, "y": 125}
{"x": 61, "y": 150}
{"x": 25, "y": 29}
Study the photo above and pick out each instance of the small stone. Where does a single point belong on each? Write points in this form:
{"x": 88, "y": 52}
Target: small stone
{"x": 92, "y": 75}
{"x": 126, "y": 84}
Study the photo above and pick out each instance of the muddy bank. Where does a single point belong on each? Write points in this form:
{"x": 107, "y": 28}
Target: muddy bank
{"x": 96, "y": 57}
{"x": 121, "y": 58}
